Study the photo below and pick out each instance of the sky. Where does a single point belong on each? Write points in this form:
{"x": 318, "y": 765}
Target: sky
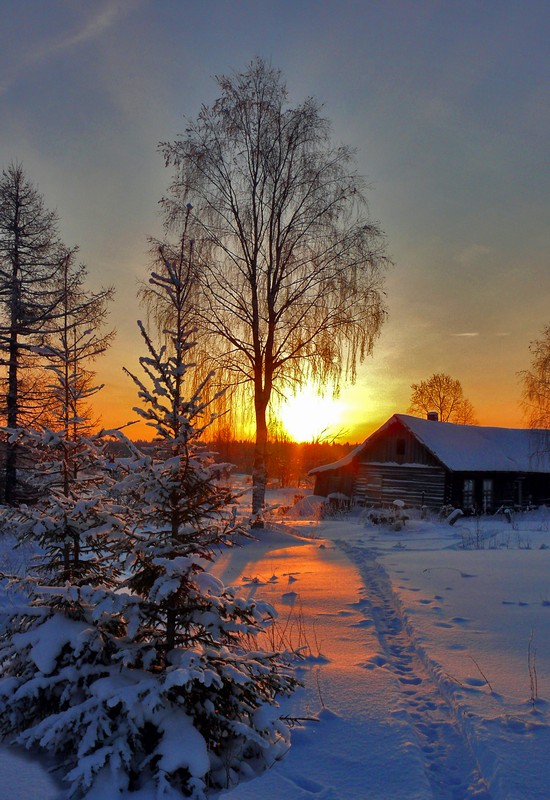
{"x": 446, "y": 104}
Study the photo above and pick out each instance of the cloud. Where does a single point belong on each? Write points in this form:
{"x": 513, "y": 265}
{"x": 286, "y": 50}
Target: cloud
{"x": 466, "y": 334}
{"x": 100, "y": 21}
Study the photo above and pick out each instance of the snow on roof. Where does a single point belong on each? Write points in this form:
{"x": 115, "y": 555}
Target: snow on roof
{"x": 342, "y": 462}
{"x": 472, "y": 447}
{"x": 467, "y": 447}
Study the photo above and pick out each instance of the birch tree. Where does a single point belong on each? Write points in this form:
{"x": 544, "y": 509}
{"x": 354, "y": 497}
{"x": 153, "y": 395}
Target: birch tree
{"x": 536, "y": 391}
{"x": 290, "y": 265}
{"x": 443, "y": 394}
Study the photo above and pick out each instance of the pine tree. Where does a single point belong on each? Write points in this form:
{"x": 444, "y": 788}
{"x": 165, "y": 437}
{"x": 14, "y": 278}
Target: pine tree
{"x": 151, "y": 682}
{"x": 30, "y": 258}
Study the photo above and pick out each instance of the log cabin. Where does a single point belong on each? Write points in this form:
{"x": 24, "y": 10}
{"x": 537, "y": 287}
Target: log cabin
{"x": 424, "y": 462}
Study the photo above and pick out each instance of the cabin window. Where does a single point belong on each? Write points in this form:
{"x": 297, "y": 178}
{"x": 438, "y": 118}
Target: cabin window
{"x": 400, "y": 447}
{"x": 487, "y": 494}
{"x": 468, "y": 493}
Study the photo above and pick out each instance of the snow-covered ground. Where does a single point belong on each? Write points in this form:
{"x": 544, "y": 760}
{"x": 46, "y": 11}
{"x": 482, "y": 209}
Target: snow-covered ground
{"x": 426, "y": 664}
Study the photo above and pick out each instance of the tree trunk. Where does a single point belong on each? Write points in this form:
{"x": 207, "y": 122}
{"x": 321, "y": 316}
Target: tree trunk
{"x": 12, "y": 402}
{"x": 259, "y": 473}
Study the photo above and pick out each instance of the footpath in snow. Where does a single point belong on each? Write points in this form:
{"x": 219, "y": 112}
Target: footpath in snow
{"x": 352, "y": 750}
{"x": 384, "y": 728}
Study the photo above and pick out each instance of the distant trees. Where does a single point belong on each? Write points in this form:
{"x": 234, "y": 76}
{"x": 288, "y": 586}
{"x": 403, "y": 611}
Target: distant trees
{"x": 445, "y": 395}
{"x": 536, "y": 383}
{"x": 288, "y": 265}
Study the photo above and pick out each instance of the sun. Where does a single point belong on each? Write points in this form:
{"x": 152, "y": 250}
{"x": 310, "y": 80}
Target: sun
{"x": 306, "y": 415}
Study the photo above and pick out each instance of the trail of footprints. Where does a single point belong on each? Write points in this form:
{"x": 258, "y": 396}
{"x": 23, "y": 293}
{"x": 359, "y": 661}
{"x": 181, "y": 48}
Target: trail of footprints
{"x": 449, "y": 762}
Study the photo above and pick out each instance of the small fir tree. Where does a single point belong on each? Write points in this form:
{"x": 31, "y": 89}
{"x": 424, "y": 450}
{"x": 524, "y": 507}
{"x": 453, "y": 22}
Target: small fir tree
{"x": 151, "y": 682}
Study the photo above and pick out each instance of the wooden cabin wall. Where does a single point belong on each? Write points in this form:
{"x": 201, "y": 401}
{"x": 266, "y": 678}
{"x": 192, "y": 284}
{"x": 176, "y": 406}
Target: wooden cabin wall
{"x": 382, "y": 484}
{"x": 330, "y": 481}
{"x": 398, "y": 445}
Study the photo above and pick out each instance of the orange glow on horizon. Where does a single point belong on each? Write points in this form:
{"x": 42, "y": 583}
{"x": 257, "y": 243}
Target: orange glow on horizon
{"x": 359, "y": 411}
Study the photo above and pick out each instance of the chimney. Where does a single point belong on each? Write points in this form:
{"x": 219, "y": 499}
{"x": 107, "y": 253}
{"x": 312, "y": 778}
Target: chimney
{"x": 433, "y": 416}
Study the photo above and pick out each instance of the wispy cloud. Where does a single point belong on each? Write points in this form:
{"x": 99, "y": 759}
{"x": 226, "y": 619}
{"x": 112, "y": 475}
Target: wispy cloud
{"x": 472, "y": 334}
{"x": 100, "y": 21}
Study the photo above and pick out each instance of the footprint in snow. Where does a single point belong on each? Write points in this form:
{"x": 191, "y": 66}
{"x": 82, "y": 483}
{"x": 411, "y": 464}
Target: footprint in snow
{"x": 374, "y": 662}
{"x": 475, "y": 682}
{"x": 312, "y": 787}
{"x": 363, "y": 623}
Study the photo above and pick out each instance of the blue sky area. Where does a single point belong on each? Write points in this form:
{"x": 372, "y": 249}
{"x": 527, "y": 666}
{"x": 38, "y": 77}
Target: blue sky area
{"x": 446, "y": 103}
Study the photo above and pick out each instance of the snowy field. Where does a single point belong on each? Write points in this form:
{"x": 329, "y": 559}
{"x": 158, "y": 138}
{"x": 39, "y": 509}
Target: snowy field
{"x": 425, "y": 658}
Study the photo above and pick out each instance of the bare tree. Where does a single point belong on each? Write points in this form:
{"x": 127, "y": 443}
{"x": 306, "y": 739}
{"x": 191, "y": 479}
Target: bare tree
{"x": 536, "y": 390}
{"x": 290, "y": 266}
{"x": 445, "y": 395}
{"x": 76, "y": 342}
{"x": 34, "y": 410}
{"x": 30, "y": 258}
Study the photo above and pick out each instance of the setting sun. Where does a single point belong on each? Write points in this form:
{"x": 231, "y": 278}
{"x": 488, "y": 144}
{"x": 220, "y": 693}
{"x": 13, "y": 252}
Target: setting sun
{"x": 306, "y": 415}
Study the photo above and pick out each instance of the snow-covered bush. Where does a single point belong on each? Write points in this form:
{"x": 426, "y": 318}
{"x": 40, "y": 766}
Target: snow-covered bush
{"x": 146, "y": 675}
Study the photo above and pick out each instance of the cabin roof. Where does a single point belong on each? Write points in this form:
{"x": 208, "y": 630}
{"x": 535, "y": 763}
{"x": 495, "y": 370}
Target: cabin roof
{"x": 470, "y": 448}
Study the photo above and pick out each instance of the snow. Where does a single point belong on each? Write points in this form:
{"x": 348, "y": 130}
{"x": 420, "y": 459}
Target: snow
{"x": 48, "y": 642}
{"x": 179, "y": 728}
{"x": 425, "y": 689}
{"x": 425, "y": 659}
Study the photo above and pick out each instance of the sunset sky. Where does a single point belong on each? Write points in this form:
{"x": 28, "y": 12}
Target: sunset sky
{"x": 447, "y": 104}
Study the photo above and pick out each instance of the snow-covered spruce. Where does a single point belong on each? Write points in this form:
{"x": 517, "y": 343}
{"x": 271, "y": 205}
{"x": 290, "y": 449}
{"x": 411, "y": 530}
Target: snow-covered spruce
{"x": 87, "y": 682}
{"x": 151, "y": 681}
{"x": 70, "y": 522}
